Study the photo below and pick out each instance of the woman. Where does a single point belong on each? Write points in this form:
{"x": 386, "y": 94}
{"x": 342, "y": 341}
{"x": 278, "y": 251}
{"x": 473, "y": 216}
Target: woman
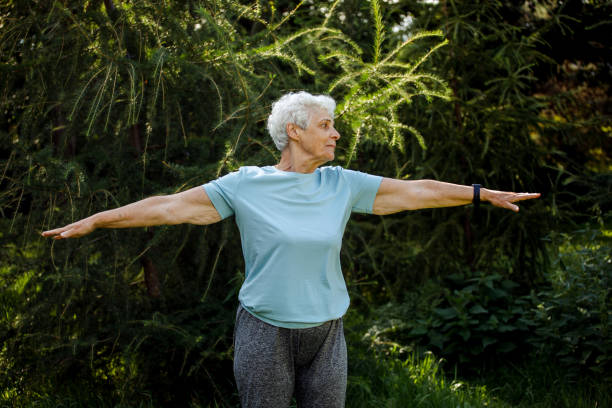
{"x": 289, "y": 336}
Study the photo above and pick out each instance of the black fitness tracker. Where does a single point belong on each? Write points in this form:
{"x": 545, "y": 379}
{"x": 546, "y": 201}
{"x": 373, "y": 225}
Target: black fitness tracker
{"x": 476, "y": 199}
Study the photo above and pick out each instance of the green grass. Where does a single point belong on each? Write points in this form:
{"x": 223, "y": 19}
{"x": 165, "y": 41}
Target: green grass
{"x": 543, "y": 384}
{"x": 386, "y": 377}
{"x": 391, "y": 382}
{"x": 380, "y": 380}
{"x": 385, "y": 380}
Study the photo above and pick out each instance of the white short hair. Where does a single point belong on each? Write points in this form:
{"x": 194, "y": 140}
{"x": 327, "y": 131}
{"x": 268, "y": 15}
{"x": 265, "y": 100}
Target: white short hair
{"x": 295, "y": 108}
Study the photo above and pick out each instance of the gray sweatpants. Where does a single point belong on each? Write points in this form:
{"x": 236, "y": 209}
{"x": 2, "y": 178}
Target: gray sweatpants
{"x": 271, "y": 364}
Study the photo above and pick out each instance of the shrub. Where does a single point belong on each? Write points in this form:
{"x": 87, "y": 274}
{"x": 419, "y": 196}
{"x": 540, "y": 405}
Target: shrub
{"x": 468, "y": 320}
{"x": 573, "y": 316}
{"x": 478, "y": 320}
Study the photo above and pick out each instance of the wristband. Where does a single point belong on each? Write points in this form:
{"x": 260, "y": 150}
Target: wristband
{"x": 476, "y": 199}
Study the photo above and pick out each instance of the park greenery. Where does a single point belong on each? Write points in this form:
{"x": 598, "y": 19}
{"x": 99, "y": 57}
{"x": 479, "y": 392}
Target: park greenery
{"x": 103, "y": 103}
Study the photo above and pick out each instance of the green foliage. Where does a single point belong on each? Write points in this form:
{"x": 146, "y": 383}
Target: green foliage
{"x": 573, "y": 318}
{"x": 394, "y": 382}
{"x": 104, "y": 103}
{"x": 390, "y": 377}
{"x": 376, "y": 90}
{"x": 516, "y": 134}
{"x": 483, "y": 321}
{"x": 537, "y": 382}
{"x": 475, "y": 321}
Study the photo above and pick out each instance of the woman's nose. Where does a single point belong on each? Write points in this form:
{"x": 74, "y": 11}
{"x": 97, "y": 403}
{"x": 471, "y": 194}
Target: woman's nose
{"x": 335, "y": 135}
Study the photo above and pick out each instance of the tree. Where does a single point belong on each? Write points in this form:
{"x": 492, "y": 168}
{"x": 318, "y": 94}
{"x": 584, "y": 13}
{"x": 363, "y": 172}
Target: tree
{"x": 104, "y": 103}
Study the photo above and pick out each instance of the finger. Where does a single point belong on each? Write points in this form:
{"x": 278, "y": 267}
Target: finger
{"x": 60, "y": 233}
{"x": 506, "y": 203}
{"x": 526, "y": 196}
{"x": 54, "y": 231}
{"x": 69, "y": 233}
{"x": 514, "y": 197}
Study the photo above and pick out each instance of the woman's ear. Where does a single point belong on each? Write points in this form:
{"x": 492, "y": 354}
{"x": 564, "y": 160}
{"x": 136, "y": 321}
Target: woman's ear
{"x": 292, "y": 131}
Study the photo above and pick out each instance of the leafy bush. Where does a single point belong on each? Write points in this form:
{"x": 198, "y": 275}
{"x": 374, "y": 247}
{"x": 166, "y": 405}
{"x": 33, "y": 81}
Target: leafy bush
{"x": 573, "y": 317}
{"x": 471, "y": 320}
{"x": 477, "y": 320}
{"x": 105, "y": 103}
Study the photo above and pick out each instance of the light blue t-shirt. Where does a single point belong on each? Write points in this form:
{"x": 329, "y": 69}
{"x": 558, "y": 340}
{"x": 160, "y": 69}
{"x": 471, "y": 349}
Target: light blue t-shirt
{"x": 291, "y": 226}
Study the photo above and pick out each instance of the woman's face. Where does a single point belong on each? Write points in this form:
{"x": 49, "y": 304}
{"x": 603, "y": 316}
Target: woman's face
{"x": 318, "y": 140}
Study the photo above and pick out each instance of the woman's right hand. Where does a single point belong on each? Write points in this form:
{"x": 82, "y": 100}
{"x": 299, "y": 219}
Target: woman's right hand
{"x": 74, "y": 230}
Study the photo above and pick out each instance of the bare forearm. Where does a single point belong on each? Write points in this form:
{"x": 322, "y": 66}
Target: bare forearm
{"x": 436, "y": 194}
{"x": 144, "y": 213}
{"x": 400, "y": 195}
{"x": 192, "y": 206}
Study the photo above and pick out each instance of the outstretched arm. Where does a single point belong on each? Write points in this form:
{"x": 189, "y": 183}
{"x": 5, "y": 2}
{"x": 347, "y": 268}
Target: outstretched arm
{"x": 400, "y": 195}
{"x": 192, "y": 206}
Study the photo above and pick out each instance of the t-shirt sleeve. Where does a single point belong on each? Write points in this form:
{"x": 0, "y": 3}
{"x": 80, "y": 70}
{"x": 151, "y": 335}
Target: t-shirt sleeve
{"x": 364, "y": 187}
{"x": 222, "y": 192}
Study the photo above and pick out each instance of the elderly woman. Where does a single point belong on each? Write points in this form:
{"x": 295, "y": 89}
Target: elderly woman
{"x": 289, "y": 338}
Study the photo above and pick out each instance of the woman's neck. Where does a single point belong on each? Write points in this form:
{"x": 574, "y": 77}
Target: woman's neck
{"x": 292, "y": 161}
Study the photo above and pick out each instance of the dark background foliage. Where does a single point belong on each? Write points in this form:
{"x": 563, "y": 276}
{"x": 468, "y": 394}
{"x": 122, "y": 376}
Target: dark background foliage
{"x": 105, "y": 103}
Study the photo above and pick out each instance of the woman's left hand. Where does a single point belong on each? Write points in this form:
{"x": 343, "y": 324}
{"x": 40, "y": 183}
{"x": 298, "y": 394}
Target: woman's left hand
{"x": 505, "y": 199}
